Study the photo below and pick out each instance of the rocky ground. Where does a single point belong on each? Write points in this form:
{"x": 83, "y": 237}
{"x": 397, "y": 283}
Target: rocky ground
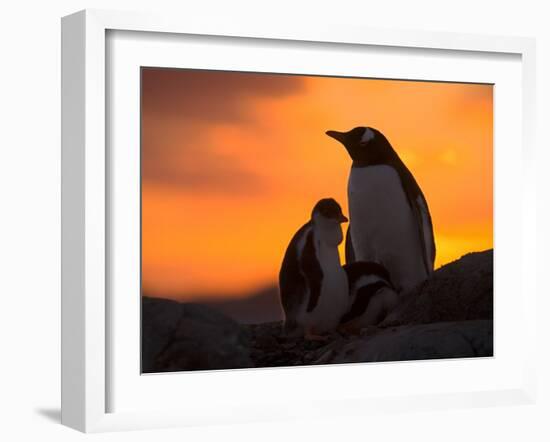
{"x": 375, "y": 344}
{"x": 449, "y": 316}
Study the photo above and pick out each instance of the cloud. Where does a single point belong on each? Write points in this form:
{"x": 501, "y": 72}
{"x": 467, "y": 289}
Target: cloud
{"x": 203, "y": 95}
{"x": 180, "y": 109}
{"x": 192, "y": 162}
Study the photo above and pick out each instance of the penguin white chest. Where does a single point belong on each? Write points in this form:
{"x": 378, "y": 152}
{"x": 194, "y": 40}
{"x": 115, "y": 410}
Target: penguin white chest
{"x": 334, "y": 297}
{"x": 383, "y": 227}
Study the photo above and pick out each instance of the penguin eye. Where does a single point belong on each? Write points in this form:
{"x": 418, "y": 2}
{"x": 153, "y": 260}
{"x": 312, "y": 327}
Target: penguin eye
{"x": 330, "y": 212}
{"x": 328, "y": 208}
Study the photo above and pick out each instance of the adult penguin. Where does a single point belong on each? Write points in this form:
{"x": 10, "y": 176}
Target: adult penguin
{"x": 390, "y": 222}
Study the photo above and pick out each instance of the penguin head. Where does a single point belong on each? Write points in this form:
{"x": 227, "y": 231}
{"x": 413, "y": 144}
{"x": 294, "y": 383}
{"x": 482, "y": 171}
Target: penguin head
{"x": 327, "y": 218}
{"x": 364, "y": 144}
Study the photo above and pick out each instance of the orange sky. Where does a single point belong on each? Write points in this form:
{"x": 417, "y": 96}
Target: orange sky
{"x": 232, "y": 164}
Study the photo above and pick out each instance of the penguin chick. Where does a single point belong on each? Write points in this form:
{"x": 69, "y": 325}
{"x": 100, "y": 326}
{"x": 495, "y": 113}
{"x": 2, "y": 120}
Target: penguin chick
{"x": 372, "y": 295}
{"x": 313, "y": 285}
{"x": 390, "y": 222}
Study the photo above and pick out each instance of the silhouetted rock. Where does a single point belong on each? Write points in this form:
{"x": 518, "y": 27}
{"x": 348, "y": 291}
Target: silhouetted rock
{"x": 441, "y": 340}
{"x": 465, "y": 339}
{"x": 459, "y": 291}
{"x": 177, "y": 337}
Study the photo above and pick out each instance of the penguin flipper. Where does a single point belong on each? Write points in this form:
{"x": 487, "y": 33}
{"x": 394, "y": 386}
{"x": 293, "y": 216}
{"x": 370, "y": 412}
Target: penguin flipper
{"x": 419, "y": 206}
{"x": 350, "y": 252}
{"x": 291, "y": 306}
{"x": 292, "y": 282}
{"x": 426, "y": 232}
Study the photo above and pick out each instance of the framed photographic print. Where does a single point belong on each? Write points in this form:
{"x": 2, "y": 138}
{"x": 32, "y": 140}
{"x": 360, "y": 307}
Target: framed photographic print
{"x": 250, "y": 212}
{"x": 253, "y": 261}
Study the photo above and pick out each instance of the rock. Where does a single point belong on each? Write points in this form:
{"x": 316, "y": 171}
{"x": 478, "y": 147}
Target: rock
{"x": 465, "y": 339}
{"x": 462, "y": 339}
{"x": 179, "y": 337}
{"x": 159, "y": 320}
{"x": 459, "y": 291}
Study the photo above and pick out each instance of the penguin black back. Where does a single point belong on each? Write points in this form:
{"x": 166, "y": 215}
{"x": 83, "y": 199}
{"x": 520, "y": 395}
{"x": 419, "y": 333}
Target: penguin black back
{"x": 363, "y": 298}
{"x": 365, "y": 293}
{"x": 292, "y": 283}
{"x": 358, "y": 269}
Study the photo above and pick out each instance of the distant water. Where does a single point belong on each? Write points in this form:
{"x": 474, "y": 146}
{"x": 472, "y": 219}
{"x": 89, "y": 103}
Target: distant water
{"x": 253, "y": 308}
{"x": 262, "y": 306}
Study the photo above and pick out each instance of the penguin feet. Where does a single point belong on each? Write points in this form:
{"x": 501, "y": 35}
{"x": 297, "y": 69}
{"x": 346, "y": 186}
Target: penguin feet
{"x": 348, "y": 328}
{"x": 310, "y": 335}
{"x": 369, "y": 330}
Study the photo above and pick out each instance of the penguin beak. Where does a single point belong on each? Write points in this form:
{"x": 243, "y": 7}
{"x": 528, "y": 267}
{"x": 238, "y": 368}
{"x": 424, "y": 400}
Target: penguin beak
{"x": 343, "y": 219}
{"x": 338, "y": 136}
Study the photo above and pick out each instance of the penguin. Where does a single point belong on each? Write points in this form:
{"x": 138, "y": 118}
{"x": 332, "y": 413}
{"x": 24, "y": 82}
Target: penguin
{"x": 313, "y": 285}
{"x": 390, "y": 222}
{"x": 372, "y": 295}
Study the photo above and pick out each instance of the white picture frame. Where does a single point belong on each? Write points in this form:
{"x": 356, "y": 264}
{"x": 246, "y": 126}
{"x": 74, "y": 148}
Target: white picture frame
{"x": 86, "y": 315}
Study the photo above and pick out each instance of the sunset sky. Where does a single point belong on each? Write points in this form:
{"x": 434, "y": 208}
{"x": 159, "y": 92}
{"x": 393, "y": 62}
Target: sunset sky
{"x": 232, "y": 164}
